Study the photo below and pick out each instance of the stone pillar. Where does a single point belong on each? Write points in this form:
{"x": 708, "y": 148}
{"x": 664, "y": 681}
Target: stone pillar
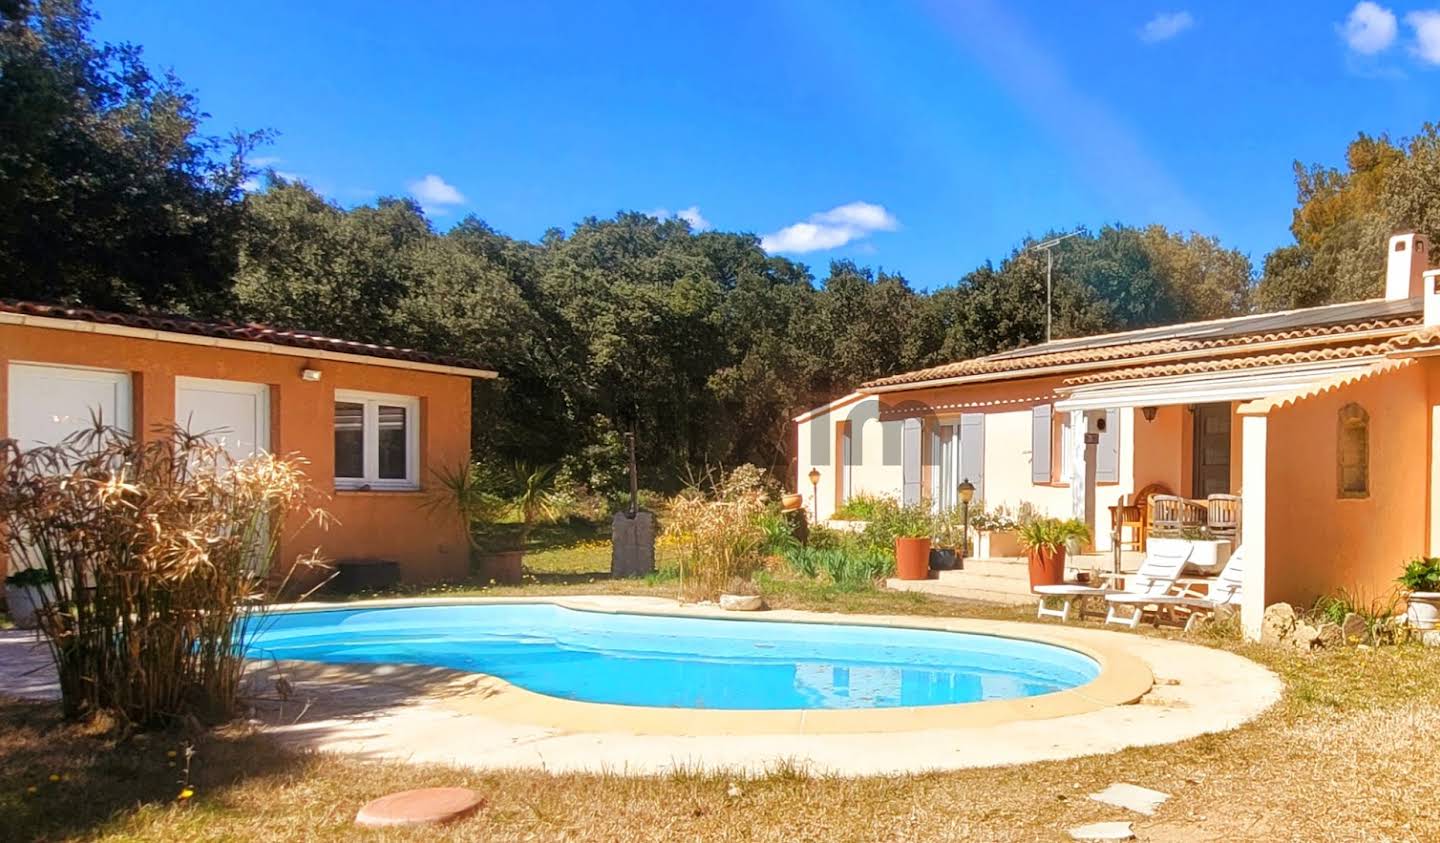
{"x": 1085, "y": 436}
{"x": 632, "y": 544}
{"x": 1254, "y": 436}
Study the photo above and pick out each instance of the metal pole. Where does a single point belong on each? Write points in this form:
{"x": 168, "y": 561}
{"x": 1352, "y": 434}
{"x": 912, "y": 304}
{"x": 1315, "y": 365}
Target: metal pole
{"x": 634, "y": 475}
{"x": 964, "y": 531}
{"x": 815, "y": 500}
{"x": 1049, "y": 265}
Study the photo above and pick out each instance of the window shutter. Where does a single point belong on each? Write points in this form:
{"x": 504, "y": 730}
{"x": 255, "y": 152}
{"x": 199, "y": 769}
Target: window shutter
{"x": 1107, "y": 453}
{"x": 972, "y": 451}
{"x": 1040, "y": 421}
{"x": 910, "y": 462}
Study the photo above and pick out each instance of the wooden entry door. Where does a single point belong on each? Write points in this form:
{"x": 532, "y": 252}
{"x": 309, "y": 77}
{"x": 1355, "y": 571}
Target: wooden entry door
{"x": 1212, "y": 450}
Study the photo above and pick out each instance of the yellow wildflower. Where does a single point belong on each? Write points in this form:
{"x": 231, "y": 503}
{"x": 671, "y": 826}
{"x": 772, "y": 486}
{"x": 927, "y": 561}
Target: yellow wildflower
{"x": 186, "y": 793}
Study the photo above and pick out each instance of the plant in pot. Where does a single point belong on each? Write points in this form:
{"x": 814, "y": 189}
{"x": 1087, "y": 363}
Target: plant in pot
{"x": 741, "y": 595}
{"x": 911, "y": 526}
{"x": 1421, "y": 582}
{"x": 945, "y": 536}
{"x": 27, "y": 591}
{"x": 1045, "y": 541}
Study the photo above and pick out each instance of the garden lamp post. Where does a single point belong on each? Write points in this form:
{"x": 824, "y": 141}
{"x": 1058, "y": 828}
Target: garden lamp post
{"x": 815, "y": 494}
{"x": 967, "y": 494}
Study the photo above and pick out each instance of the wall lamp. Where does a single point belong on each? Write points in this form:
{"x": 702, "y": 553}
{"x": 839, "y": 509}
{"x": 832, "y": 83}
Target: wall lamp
{"x": 311, "y": 375}
{"x": 1149, "y": 413}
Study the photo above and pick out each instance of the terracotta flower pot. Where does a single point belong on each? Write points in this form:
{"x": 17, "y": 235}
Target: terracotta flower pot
{"x": 1047, "y": 566}
{"x": 790, "y": 503}
{"x": 912, "y": 558}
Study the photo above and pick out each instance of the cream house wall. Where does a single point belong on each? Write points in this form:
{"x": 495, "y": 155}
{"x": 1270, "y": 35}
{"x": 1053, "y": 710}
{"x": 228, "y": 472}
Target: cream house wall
{"x": 1008, "y": 476}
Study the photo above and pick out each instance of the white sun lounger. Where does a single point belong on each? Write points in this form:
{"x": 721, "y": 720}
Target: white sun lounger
{"x": 1223, "y": 590}
{"x": 1157, "y": 575}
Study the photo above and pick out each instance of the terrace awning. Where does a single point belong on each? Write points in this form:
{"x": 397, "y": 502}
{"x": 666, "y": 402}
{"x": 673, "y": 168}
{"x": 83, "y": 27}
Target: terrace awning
{"x": 1203, "y": 387}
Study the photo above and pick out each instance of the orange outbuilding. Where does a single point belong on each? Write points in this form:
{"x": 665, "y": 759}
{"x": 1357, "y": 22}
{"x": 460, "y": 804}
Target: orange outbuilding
{"x": 373, "y": 421}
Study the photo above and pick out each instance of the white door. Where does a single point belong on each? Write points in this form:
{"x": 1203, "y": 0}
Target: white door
{"x": 48, "y": 403}
{"x": 233, "y": 413}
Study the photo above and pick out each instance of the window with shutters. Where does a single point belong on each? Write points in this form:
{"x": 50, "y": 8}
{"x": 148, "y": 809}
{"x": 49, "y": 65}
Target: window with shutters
{"x": 1353, "y": 452}
{"x": 377, "y": 441}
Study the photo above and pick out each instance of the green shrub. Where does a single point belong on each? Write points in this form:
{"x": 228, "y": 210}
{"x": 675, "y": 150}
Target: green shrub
{"x": 894, "y": 522}
{"x": 1048, "y": 535}
{"x": 779, "y": 534}
{"x": 1421, "y": 574}
{"x": 864, "y": 507}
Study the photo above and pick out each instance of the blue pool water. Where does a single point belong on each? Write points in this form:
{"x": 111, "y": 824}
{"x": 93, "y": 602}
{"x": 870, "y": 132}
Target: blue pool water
{"x": 683, "y": 662}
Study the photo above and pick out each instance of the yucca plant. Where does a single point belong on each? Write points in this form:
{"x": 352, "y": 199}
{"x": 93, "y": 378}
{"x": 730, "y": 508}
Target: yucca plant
{"x": 159, "y": 552}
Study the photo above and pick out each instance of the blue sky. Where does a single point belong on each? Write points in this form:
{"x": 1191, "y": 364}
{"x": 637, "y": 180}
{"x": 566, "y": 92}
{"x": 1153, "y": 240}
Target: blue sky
{"x": 924, "y": 138}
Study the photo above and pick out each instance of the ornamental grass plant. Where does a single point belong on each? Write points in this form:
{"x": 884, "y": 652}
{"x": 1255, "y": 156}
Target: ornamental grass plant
{"x": 159, "y": 551}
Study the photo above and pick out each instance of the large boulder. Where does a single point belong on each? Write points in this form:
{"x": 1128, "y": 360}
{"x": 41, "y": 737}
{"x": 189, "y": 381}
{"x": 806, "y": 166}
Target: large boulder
{"x": 1277, "y": 624}
{"x": 1330, "y": 635}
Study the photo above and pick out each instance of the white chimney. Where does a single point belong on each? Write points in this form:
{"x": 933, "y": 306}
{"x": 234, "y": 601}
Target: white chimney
{"x": 1406, "y": 261}
{"x": 1432, "y": 298}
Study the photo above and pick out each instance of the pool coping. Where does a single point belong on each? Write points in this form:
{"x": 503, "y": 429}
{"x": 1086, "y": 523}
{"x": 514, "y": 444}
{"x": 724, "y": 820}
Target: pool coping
{"x": 1123, "y": 679}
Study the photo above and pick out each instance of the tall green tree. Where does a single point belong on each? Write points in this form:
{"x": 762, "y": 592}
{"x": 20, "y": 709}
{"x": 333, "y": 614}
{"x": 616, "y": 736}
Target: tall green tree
{"x": 109, "y": 194}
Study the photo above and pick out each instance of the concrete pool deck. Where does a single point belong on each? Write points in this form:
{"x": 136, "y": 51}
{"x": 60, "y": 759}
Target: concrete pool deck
{"x": 427, "y": 714}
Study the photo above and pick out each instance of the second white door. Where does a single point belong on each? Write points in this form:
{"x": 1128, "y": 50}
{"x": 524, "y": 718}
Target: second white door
{"x": 234, "y": 413}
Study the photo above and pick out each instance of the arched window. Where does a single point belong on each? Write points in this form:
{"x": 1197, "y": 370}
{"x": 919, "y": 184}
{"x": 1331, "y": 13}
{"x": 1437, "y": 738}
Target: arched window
{"x": 1353, "y": 452}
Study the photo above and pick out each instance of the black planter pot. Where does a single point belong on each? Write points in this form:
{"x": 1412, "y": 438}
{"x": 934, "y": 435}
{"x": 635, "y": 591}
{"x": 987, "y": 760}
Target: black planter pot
{"x": 943, "y": 559}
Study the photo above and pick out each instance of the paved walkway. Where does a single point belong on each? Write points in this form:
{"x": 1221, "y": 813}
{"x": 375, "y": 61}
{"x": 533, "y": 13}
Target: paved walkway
{"x": 427, "y": 714}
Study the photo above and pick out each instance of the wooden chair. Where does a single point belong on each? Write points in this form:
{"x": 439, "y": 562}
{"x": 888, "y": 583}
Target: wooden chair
{"x": 1168, "y": 515}
{"x": 1133, "y": 513}
{"x": 1222, "y": 516}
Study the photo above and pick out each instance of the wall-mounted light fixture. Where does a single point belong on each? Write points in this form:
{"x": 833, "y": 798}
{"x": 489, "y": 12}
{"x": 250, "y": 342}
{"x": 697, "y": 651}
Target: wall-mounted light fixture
{"x": 1149, "y": 413}
{"x": 311, "y": 375}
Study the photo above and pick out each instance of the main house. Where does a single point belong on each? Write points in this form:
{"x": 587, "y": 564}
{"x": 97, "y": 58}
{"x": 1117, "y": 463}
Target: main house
{"x": 373, "y": 421}
{"x": 1326, "y": 421}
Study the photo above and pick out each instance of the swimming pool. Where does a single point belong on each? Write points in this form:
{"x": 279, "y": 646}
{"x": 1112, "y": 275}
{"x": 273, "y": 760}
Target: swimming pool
{"x": 683, "y": 662}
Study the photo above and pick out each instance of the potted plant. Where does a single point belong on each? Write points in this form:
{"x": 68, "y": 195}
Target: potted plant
{"x": 1045, "y": 541}
{"x": 1421, "y": 582}
{"x": 943, "y": 542}
{"x": 26, "y": 592}
{"x": 911, "y": 526}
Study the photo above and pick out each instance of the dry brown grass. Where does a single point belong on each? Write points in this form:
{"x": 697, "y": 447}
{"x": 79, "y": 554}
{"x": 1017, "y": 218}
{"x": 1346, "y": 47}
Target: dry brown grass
{"x": 1333, "y": 761}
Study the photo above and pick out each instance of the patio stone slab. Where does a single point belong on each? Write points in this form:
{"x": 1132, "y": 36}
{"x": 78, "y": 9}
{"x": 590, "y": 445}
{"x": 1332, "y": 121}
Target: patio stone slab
{"x": 1095, "y": 832}
{"x": 1141, "y": 800}
{"x": 426, "y": 806}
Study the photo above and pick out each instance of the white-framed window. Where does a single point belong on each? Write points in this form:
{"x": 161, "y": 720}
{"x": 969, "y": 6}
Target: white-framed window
{"x": 377, "y": 441}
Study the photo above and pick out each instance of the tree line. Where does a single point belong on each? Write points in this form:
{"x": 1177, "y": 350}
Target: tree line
{"x": 111, "y": 196}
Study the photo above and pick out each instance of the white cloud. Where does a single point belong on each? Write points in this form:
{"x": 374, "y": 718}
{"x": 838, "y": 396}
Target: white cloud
{"x": 435, "y": 194}
{"x": 1165, "y": 26}
{"x": 263, "y": 161}
{"x": 831, "y": 229}
{"x": 1369, "y": 28}
{"x": 693, "y": 216}
{"x": 1427, "y": 35}
{"x": 250, "y": 185}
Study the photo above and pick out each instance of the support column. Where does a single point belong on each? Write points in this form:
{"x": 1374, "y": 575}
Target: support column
{"x": 1433, "y": 493}
{"x": 1085, "y": 437}
{"x": 1255, "y": 431}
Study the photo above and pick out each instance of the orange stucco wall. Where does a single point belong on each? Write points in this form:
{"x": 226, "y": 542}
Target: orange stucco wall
{"x": 391, "y": 525}
{"x": 1318, "y": 543}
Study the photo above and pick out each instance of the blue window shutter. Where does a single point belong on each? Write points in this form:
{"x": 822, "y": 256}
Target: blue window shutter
{"x": 1040, "y": 459}
{"x": 972, "y": 451}
{"x": 910, "y": 462}
{"x": 1107, "y": 453}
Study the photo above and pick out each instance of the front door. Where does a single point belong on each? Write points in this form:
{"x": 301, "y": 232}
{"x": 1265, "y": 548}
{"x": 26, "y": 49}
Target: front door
{"x": 1212, "y": 450}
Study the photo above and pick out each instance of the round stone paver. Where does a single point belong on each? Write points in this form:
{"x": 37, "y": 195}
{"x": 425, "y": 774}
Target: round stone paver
{"x": 426, "y": 806}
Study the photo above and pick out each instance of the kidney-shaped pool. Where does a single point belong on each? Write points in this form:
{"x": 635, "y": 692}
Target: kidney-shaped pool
{"x": 682, "y": 662}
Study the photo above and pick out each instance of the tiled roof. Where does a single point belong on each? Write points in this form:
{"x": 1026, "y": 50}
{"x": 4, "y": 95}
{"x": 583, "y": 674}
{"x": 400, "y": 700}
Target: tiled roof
{"x": 1229, "y": 364}
{"x": 234, "y": 331}
{"x": 1380, "y": 317}
{"x": 1262, "y": 406}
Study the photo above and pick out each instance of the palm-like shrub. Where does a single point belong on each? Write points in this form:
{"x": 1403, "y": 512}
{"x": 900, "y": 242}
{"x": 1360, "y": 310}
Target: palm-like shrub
{"x": 159, "y": 552}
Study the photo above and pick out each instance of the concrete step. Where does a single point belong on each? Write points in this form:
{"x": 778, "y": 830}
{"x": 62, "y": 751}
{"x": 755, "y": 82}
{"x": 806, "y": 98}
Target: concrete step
{"x": 994, "y": 567}
{"x": 1001, "y": 590}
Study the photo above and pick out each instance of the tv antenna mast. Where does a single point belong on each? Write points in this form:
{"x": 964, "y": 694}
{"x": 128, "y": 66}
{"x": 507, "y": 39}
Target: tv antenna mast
{"x": 1048, "y": 247}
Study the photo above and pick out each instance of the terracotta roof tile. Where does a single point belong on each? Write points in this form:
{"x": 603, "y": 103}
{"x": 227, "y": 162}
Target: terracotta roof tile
{"x": 233, "y": 331}
{"x": 1134, "y": 350}
{"x": 1229, "y": 364}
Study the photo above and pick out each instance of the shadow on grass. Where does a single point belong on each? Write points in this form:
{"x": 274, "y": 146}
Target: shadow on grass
{"x": 62, "y": 780}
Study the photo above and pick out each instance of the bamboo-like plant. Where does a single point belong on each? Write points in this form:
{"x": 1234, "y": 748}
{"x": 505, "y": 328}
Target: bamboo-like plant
{"x": 159, "y": 552}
